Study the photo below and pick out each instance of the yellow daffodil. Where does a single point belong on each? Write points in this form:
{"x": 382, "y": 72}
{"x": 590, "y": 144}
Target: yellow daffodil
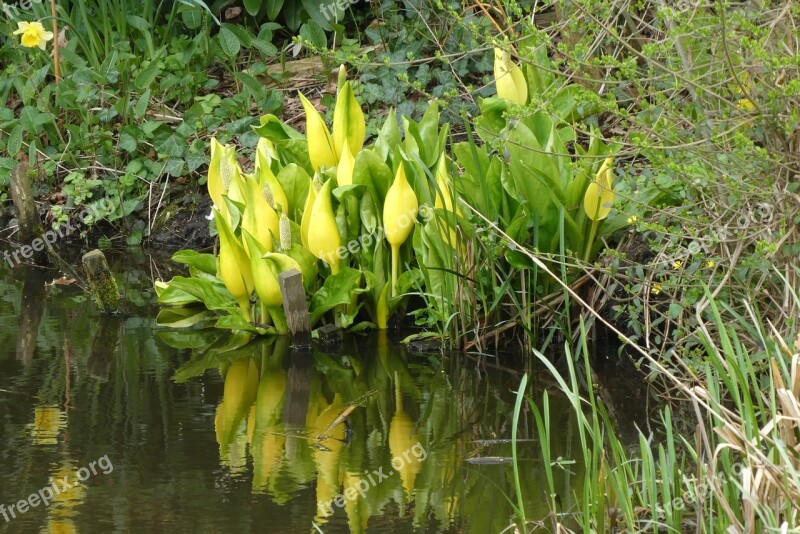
{"x": 33, "y": 34}
{"x": 344, "y": 172}
{"x": 509, "y": 78}
{"x": 234, "y": 266}
{"x": 399, "y": 210}
{"x": 321, "y": 151}
{"x": 349, "y": 126}
{"x": 323, "y": 234}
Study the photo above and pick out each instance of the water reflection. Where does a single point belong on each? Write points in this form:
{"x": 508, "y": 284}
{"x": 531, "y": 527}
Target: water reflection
{"x": 372, "y": 432}
{"x": 222, "y": 433}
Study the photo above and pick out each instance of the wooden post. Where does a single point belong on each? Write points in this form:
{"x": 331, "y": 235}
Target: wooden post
{"x": 295, "y": 307}
{"x": 30, "y": 314}
{"x": 30, "y": 226}
{"x": 101, "y": 281}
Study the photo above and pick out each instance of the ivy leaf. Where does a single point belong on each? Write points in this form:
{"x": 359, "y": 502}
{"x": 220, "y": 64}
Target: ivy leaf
{"x": 173, "y": 145}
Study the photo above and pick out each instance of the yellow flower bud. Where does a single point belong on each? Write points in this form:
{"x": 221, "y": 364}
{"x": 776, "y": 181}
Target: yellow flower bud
{"x": 323, "y": 234}
{"x": 509, "y": 78}
{"x": 344, "y": 172}
{"x": 234, "y": 266}
{"x": 321, "y": 151}
{"x": 399, "y": 209}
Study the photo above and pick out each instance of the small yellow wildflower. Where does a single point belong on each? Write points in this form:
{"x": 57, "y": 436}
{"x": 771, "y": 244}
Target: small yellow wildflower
{"x": 710, "y": 264}
{"x": 33, "y": 34}
{"x": 677, "y": 264}
{"x": 656, "y": 289}
{"x": 745, "y": 104}
{"x": 633, "y": 219}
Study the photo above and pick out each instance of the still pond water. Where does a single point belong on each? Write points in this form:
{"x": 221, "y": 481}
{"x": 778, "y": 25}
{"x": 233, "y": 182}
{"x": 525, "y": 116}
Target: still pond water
{"x": 126, "y": 427}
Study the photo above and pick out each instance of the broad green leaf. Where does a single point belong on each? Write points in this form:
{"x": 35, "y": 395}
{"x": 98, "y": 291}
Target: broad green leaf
{"x": 229, "y": 42}
{"x": 15, "y": 141}
{"x": 338, "y": 290}
{"x": 147, "y": 76}
{"x": 294, "y": 181}
{"x": 205, "y": 262}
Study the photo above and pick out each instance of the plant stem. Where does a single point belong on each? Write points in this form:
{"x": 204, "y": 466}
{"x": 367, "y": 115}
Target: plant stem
{"x": 590, "y": 242}
{"x": 55, "y": 41}
{"x": 395, "y": 268}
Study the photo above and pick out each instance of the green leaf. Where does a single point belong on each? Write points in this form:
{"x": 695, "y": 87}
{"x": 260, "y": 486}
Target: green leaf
{"x": 174, "y": 146}
{"x": 15, "y": 141}
{"x": 274, "y": 8}
{"x": 314, "y": 34}
{"x": 140, "y": 108}
{"x": 146, "y": 77}
{"x": 370, "y": 170}
{"x": 139, "y": 23}
{"x": 294, "y": 181}
{"x": 338, "y": 289}
{"x": 213, "y": 294}
{"x": 252, "y": 6}
{"x": 252, "y": 85}
{"x": 229, "y": 42}
{"x": 204, "y": 262}
{"x": 192, "y": 18}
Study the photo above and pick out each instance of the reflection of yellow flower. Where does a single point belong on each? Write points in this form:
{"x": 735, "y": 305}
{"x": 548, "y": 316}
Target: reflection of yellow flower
{"x": 48, "y": 421}
{"x": 33, "y": 34}
{"x": 656, "y": 289}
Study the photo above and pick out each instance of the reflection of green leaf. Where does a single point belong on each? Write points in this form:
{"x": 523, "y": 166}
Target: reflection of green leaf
{"x": 182, "y": 317}
{"x": 237, "y": 322}
{"x": 195, "y": 339}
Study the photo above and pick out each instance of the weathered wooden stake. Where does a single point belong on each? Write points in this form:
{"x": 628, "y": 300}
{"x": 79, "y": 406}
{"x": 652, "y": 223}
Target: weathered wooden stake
{"x": 101, "y": 281}
{"x": 30, "y": 226}
{"x": 295, "y": 307}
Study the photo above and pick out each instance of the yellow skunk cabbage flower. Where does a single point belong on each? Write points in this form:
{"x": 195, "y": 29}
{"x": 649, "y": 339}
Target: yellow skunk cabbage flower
{"x": 234, "y": 266}
{"x": 259, "y": 219}
{"x": 321, "y": 149}
{"x": 344, "y": 172}
{"x": 267, "y": 151}
{"x": 349, "y": 126}
{"x": 509, "y": 79}
{"x": 600, "y": 195}
{"x": 399, "y": 210}
{"x": 33, "y": 34}
{"x": 323, "y": 234}
{"x": 444, "y": 200}
{"x": 267, "y": 178}
{"x": 264, "y": 277}
{"x": 220, "y": 175}
{"x": 305, "y": 222}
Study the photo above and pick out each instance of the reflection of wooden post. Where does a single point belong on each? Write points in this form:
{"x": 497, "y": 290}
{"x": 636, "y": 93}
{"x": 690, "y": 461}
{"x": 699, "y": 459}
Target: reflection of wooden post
{"x": 101, "y": 281}
{"x": 295, "y": 307}
{"x": 30, "y": 314}
{"x": 104, "y": 347}
{"x": 295, "y": 403}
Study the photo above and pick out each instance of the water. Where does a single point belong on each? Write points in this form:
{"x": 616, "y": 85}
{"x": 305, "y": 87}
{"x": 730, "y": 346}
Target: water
{"x": 200, "y": 432}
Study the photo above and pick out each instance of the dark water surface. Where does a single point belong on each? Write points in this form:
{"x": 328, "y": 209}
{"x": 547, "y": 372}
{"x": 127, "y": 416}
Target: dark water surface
{"x": 203, "y": 432}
